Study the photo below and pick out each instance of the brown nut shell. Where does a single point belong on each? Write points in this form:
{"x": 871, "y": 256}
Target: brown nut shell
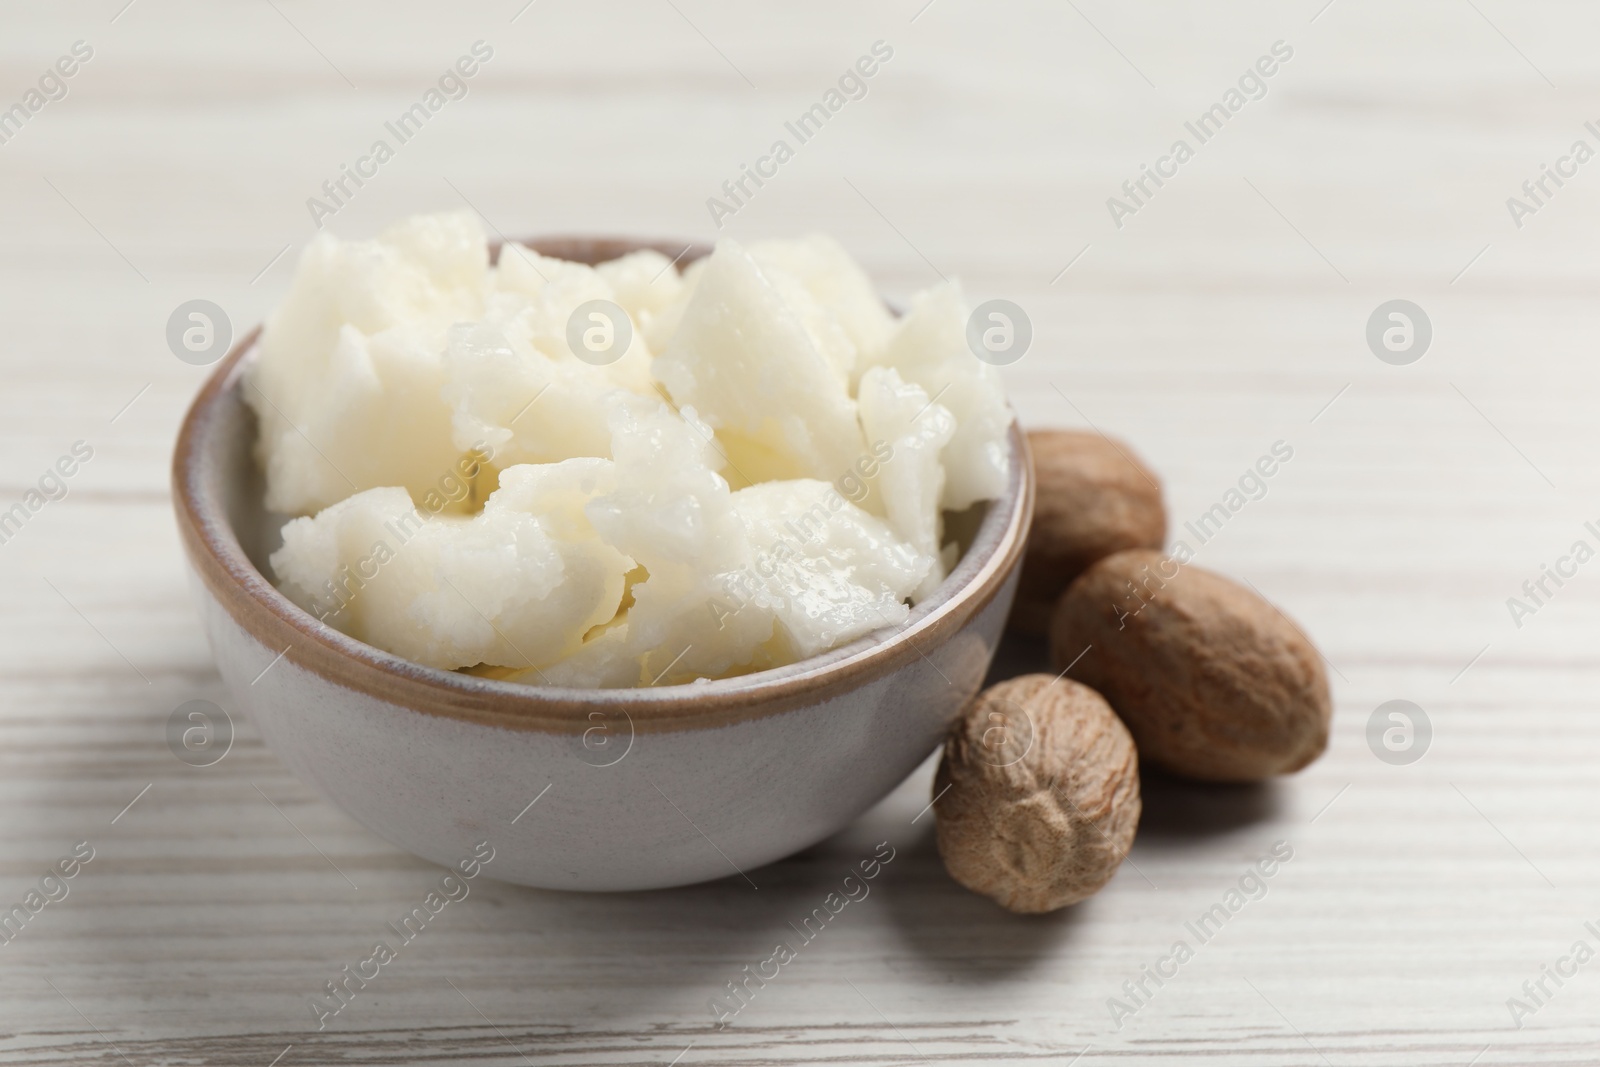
{"x": 1038, "y": 794}
{"x": 1213, "y": 681}
{"x": 1094, "y": 498}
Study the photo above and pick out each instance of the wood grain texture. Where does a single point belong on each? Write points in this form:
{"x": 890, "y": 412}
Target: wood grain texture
{"x": 1226, "y": 314}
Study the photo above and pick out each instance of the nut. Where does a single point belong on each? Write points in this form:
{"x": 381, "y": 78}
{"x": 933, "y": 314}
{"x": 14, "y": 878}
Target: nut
{"x": 1214, "y": 682}
{"x": 1094, "y": 498}
{"x": 1043, "y": 794}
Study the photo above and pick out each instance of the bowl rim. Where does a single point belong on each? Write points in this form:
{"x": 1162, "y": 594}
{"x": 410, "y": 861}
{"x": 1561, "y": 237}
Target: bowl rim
{"x": 256, "y": 605}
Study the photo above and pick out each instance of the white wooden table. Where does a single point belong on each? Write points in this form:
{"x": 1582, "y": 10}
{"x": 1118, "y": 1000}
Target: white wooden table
{"x": 1228, "y": 313}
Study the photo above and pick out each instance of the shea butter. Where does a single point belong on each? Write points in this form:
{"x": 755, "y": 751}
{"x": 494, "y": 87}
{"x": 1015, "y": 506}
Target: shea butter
{"x": 757, "y": 475}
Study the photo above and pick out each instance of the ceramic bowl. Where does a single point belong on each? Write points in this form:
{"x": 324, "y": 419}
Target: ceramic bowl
{"x": 577, "y": 789}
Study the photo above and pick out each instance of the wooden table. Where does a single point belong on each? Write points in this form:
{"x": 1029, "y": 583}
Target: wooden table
{"x": 1227, "y": 313}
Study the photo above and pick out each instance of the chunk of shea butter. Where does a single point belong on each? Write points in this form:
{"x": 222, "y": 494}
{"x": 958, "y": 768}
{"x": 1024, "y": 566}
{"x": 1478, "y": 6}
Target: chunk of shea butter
{"x": 673, "y": 514}
{"x": 930, "y": 349}
{"x": 838, "y": 284}
{"x": 826, "y": 570}
{"x": 526, "y": 406}
{"x": 663, "y": 323}
{"x": 821, "y": 326}
{"x": 743, "y": 358}
{"x": 517, "y": 585}
{"x": 645, "y": 283}
{"x": 911, "y": 481}
{"x": 604, "y": 662}
{"x": 346, "y": 381}
{"x": 536, "y": 296}
{"x": 800, "y": 570}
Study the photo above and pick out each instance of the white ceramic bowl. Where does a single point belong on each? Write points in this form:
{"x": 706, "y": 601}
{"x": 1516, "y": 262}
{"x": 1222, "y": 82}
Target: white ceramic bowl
{"x": 634, "y": 788}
